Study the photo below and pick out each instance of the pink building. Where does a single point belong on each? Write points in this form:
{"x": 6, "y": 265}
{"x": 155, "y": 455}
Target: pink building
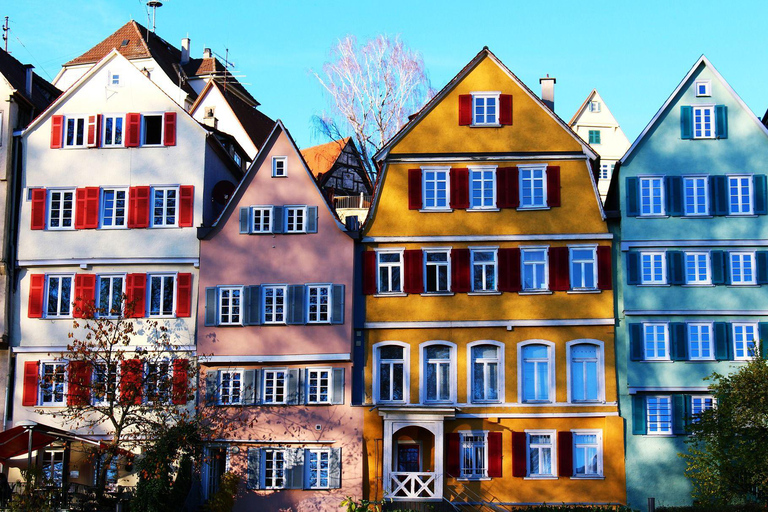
{"x": 275, "y": 339}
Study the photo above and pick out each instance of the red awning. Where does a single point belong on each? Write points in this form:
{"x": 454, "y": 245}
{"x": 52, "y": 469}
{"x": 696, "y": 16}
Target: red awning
{"x": 15, "y": 441}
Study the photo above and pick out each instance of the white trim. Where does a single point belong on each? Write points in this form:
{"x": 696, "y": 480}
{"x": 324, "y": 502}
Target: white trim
{"x": 494, "y": 187}
{"x": 49, "y": 349}
{"x": 544, "y": 179}
{"x": 110, "y": 261}
{"x": 552, "y": 385}
{"x": 473, "y": 433}
{"x": 665, "y": 389}
{"x": 482, "y": 157}
{"x": 663, "y": 278}
{"x": 257, "y": 442}
{"x": 406, "y": 373}
{"x": 489, "y": 238}
{"x": 495, "y": 251}
{"x": 571, "y": 273}
{"x": 625, "y": 246}
{"x": 452, "y": 373}
{"x": 711, "y": 326}
{"x": 600, "y": 370}
{"x": 448, "y": 262}
{"x": 539, "y": 415}
{"x": 435, "y": 169}
{"x": 532, "y": 249}
{"x": 401, "y": 265}
{"x": 707, "y": 88}
{"x": 486, "y": 95}
{"x": 284, "y": 160}
{"x": 600, "y": 449}
{"x": 698, "y": 312}
{"x": 500, "y": 372}
{"x": 490, "y": 323}
{"x": 707, "y": 281}
{"x": 755, "y": 340}
{"x": 667, "y": 356}
{"x": 275, "y": 359}
{"x": 552, "y": 434}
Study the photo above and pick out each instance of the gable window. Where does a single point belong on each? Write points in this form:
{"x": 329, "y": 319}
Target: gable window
{"x": 742, "y": 268}
{"x": 279, "y": 166}
{"x": 653, "y": 269}
{"x": 703, "y": 88}
{"x": 606, "y": 170}
{"x": 651, "y": 195}
{"x": 482, "y": 184}
{"x": 113, "y": 131}
{"x": 390, "y": 271}
{"x": 485, "y": 109}
{"x": 700, "y": 342}
{"x": 655, "y": 342}
{"x": 230, "y": 387}
{"x": 436, "y": 188}
{"x": 111, "y": 296}
{"x": 541, "y": 454}
{"x": 696, "y": 197}
{"x": 274, "y": 304}
{"x": 699, "y": 404}
{"x": 158, "y": 382}
{"x": 59, "y": 299}
{"x": 484, "y": 270}
{"x": 594, "y": 106}
{"x": 230, "y": 305}
{"x": 533, "y": 187}
{"x": 537, "y": 373}
{"x": 318, "y": 304}
{"x": 61, "y": 208}
{"x": 587, "y": 454}
{"x": 585, "y": 373}
{"x": 261, "y": 219}
{"x": 53, "y": 384}
{"x": 474, "y": 454}
{"x": 164, "y": 204}
{"x": 740, "y": 195}
{"x": 583, "y": 268}
{"x": 74, "y": 134}
{"x": 659, "y": 414}
{"x": 697, "y": 269}
{"x": 437, "y": 271}
{"x": 162, "y": 295}
{"x": 296, "y": 219}
{"x": 391, "y": 373}
{"x": 318, "y": 386}
{"x": 114, "y": 79}
{"x": 105, "y": 383}
{"x": 438, "y": 362}
{"x": 744, "y": 341}
{"x": 318, "y": 468}
{"x": 594, "y": 136}
{"x": 113, "y": 208}
{"x": 485, "y": 373}
{"x": 535, "y": 268}
{"x": 703, "y": 122}
{"x": 274, "y": 387}
{"x": 274, "y": 468}
{"x": 152, "y": 129}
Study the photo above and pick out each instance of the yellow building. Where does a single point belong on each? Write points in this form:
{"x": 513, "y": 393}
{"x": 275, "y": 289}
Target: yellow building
{"x": 489, "y": 346}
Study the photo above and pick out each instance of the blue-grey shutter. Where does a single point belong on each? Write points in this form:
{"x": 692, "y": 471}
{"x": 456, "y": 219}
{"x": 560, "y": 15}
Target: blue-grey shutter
{"x": 633, "y": 197}
{"x": 337, "y": 396}
{"x": 675, "y": 267}
{"x": 718, "y": 267}
{"x": 294, "y": 468}
{"x": 312, "y": 219}
{"x": 250, "y": 390}
{"x": 678, "y": 414}
{"x": 686, "y": 122}
{"x": 334, "y": 468}
{"x": 293, "y": 386}
{"x": 633, "y": 267}
{"x": 337, "y": 309}
{"x": 674, "y": 195}
{"x": 721, "y": 121}
{"x": 723, "y": 349}
{"x": 210, "y": 306}
{"x": 763, "y": 330}
{"x": 254, "y": 462}
{"x": 679, "y": 341}
{"x": 639, "y": 427}
{"x": 211, "y": 387}
{"x": 245, "y": 219}
{"x": 295, "y": 305}
{"x": 761, "y": 260}
{"x": 761, "y": 202}
{"x": 251, "y": 305}
{"x": 636, "y": 342}
{"x": 718, "y": 190}
{"x": 278, "y": 213}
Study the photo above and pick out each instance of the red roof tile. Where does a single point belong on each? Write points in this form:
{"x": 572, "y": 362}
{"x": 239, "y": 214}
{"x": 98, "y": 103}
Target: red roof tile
{"x": 320, "y": 159}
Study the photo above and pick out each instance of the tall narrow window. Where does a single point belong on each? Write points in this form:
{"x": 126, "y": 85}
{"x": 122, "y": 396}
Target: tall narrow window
{"x": 653, "y": 268}
{"x": 740, "y": 195}
{"x": 164, "y": 206}
{"x": 652, "y": 195}
{"x": 111, "y": 295}
{"x": 274, "y": 468}
{"x": 437, "y": 371}
{"x": 318, "y": 468}
{"x": 391, "y": 373}
{"x": 390, "y": 272}
{"x": 697, "y": 269}
{"x": 59, "y": 303}
{"x": 274, "y": 304}
{"x": 53, "y": 384}
{"x": 699, "y": 404}
{"x": 61, "y": 207}
{"x": 583, "y": 268}
{"x": 437, "y": 271}
{"x": 318, "y": 386}
{"x": 474, "y": 455}
{"x": 482, "y": 186}
{"x": 162, "y": 292}
{"x": 296, "y": 219}
{"x": 105, "y": 383}
{"x": 483, "y": 270}
{"x": 158, "y": 380}
{"x": 656, "y": 346}
{"x": 274, "y": 387}
{"x": 535, "y": 269}
{"x": 113, "y": 208}
{"x": 536, "y": 373}
{"x": 74, "y": 135}
{"x": 744, "y": 340}
{"x": 742, "y": 267}
{"x": 113, "y": 131}
{"x": 659, "y": 414}
{"x": 230, "y": 387}
{"x": 587, "y": 454}
{"x": 152, "y": 129}
{"x": 585, "y": 373}
{"x": 318, "y": 303}
{"x": 261, "y": 219}
{"x": 700, "y": 343}
{"x": 436, "y": 188}
{"x": 540, "y": 454}
{"x": 230, "y": 305}
{"x": 279, "y": 166}
{"x": 696, "y": 197}
{"x": 485, "y": 373}
{"x": 533, "y": 187}
{"x": 703, "y": 122}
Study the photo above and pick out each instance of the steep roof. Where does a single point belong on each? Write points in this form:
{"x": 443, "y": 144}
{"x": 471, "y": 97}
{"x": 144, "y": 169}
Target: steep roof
{"x": 321, "y": 158}
{"x": 582, "y": 107}
{"x": 256, "y": 124}
{"x": 43, "y": 93}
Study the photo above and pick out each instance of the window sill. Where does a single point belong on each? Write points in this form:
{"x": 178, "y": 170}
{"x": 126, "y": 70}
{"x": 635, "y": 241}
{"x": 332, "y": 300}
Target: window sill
{"x": 659, "y": 216}
{"x": 438, "y": 294}
{"x": 741, "y": 216}
{"x": 496, "y": 125}
{"x": 595, "y": 477}
{"x": 397, "y": 294}
{"x": 483, "y": 210}
{"x": 473, "y": 479}
{"x": 536, "y": 292}
{"x": 475, "y": 294}
{"x": 739, "y": 285}
{"x": 578, "y": 292}
{"x": 163, "y": 227}
{"x": 701, "y": 360}
{"x": 59, "y": 318}
{"x": 153, "y": 145}
{"x": 532, "y": 208}
{"x": 701, "y": 216}
{"x": 655, "y": 361}
{"x": 647, "y": 285}
{"x": 60, "y": 229}
{"x": 113, "y": 227}
{"x": 160, "y": 317}
{"x": 698, "y": 285}
{"x": 548, "y": 477}
{"x": 267, "y": 324}
{"x": 279, "y": 176}
{"x": 661, "y": 435}
{"x": 436, "y": 210}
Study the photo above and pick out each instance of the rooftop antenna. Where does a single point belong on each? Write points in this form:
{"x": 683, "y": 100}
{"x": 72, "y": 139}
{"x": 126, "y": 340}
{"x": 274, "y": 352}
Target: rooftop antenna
{"x": 154, "y": 4}
{"x": 5, "y": 34}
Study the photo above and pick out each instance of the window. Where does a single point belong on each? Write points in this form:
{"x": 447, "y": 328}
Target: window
{"x": 319, "y": 462}
{"x": 651, "y": 196}
{"x": 113, "y": 131}
{"x": 162, "y": 295}
{"x": 158, "y": 382}
{"x": 583, "y": 268}
{"x": 437, "y": 373}
{"x": 230, "y": 387}
{"x": 105, "y": 384}
{"x": 164, "y": 204}
{"x": 53, "y": 467}
{"x": 74, "y": 132}
{"x": 594, "y": 136}
{"x": 390, "y": 270}
{"x": 230, "y": 305}
{"x": 585, "y": 373}
{"x": 279, "y": 166}
{"x": 703, "y": 122}
{"x": 111, "y": 296}
{"x": 318, "y": 386}
{"x": 113, "y": 208}
{"x": 537, "y": 373}
{"x": 61, "y": 208}
{"x": 114, "y": 79}
{"x": 655, "y": 343}
{"x": 594, "y": 106}
{"x": 587, "y": 454}
{"x": 274, "y": 304}
{"x": 700, "y": 343}
{"x": 742, "y": 267}
{"x": 697, "y": 269}
{"x": 437, "y": 271}
{"x": 659, "y": 414}
{"x": 653, "y": 268}
{"x": 319, "y": 304}
{"x": 703, "y": 88}
{"x": 535, "y": 269}
{"x": 274, "y": 387}
{"x": 541, "y": 454}
{"x": 699, "y": 404}
{"x": 59, "y": 304}
{"x": 435, "y": 188}
{"x": 485, "y": 373}
{"x": 474, "y": 454}
{"x": 53, "y": 383}
{"x": 696, "y": 197}
{"x": 391, "y": 373}
{"x": 533, "y": 187}
{"x": 274, "y": 468}
{"x": 740, "y": 195}
{"x": 606, "y": 170}
{"x": 261, "y": 219}
{"x": 152, "y": 129}
{"x": 295, "y": 219}
{"x": 485, "y": 107}
{"x": 483, "y": 270}
{"x": 482, "y": 184}
{"x": 744, "y": 341}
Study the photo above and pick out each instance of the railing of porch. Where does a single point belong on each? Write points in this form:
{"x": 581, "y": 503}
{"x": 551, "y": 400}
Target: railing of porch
{"x": 424, "y": 486}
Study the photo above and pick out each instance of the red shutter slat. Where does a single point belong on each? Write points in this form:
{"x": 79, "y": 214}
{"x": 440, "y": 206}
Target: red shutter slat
{"x": 80, "y": 208}
{"x": 184, "y": 295}
{"x": 186, "y": 206}
{"x": 414, "y": 189}
{"x": 169, "y": 129}
{"x": 518, "y": 454}
{"x": 465, "y": 109}
{"x": 180, "y": 382}
{"x": 31, "y": 375}
{"x": 509, "y": 270}
{"x": 36, "y": 295}
{"x": 94, "y": 131}
{"x": 565, "y": 453}
{"x": 558, "y": 269}
{"x": 494, "y": 455}
{"x": 39, "y": 198}
{"x": 92, "y": 207}
{"x": 135, "y": 290}
{"x": 460, "y": 188}
{"x": 460, "y": 271}
{"x": 133, "y": 131}
{"x": 369, "y": 272}
{"x": 85, "y": 295}
{"x": 79, "y": 383}
{"x": 505, "y": 109}
{"x": 138, "y": 207}
{"x": 131, "y": 377}
{"x": 507, "y": 187}
{"x": 453, "y": 454}
{"x": 604, "y": 272}
{"x": 414, "y": 271}
{"x": 57, "y": 131}
{"x": 553, "y": 185}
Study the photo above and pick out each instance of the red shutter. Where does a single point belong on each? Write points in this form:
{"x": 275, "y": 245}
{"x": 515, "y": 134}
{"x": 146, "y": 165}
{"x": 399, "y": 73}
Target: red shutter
{"x": 414, "y": 271}
{"x": 57, "y": 131}
{"x": 565, "y": 454}
{"x": 460, "y": 188}
{"x": 138, "y": 207}
{"x": 186, "y": 206}
{"x": 131, "y": 373}
{"x": 36, "y": 295}
{"x": 94, "y": 131}
{"x": 136, "y": 292}
{"x": 169, "y": 129}
{"x": 369, "y": 272}
{"x": 559, "y": 279}
{"x": 553, "y": 185}
{"x": 85, "y": 295}
{"x": 509, "y": 270}
{"x": 39, "y": 198}
{"x": 180, "y": 382}
{"x": 79, "y": 383}
{"x": 31, "y": 376}
{"x": 465, "y": 109}
{"x": 505, "y": 109}
{"x": 604, "y": 273}
{"x": 519, "y": 457}
{"x": 452, "y": 455}
{"x": 414, "y": 189}
{"x": 460, "y": 271}
{"x": 507, "y": 187}
{"x": 133, "y": 132}
{"x": 494, "y": 455}
{"x": 184, "y": 295}
{"x": 87, "y": 208}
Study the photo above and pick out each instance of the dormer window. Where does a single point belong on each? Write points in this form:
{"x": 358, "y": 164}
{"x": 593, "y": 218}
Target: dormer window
{"x": 485, "y": 109}
{"x": 279, "y": 167}
{"x": 703, "y": 88}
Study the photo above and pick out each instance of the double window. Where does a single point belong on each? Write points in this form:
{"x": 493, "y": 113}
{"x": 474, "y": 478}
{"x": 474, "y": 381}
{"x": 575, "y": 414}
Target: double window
{"x": 318, "y": 303}
{"x": 318, "y": 468}
{"x": 659, "y": 415}
{"x": 110, "y": 300}
{"x": 390, "y": 265}
{"x": 537, "y": 371}
{"x": 272, "y": 219}
{"x": 700, "y": 404}
{"x": 105, "y": 383}
{"x": 74, "y": 131}
{"x": 484, "y": 269}
{"x": 656, "y": 342}
{"x": 59, "y": 294}
{"x": 158, "y": 381}
{"x": 583, "y": 268}
{"x": 279, "y": 166}
{"x": 585, "y": 372}
{"x": 742, "y": 267}
{"x": 474, "y": 454}
{"x": 697, "y": 268}
{"x": 485, "y": 109}
{"x": 53, "y": 384}
{"x": 486, "y": 364}
{"x": 261, "y": 219}
{"x": 294, "y": 468}
{"x": 319, "y": 385}
{"x": 274, "y": 383}
{"x": 740, "y": 195}
{"x": 533, "y": 186}
{"x": 695, "y": 195}
{"x": 535, "y": 269}
{"x": 274, "y": 304}
{"x": 482, "y": 185}
{"x": 587, "y": 454}
{"x": 162, "y": 295}
{"x": 703, "y": 121}
{"x": 744, "y": 340}
{"x": 700, "y": 342}
{"x": 152, "y": 129}
{"x": 653, "y": 268}
{"x": 114, "y": 207}
{"x": 164, "y": 206}
{"x": 61, "y": 209}
{"x": 274, "y": 468}
{"x": 231, "y": 387}
{"x": 437, "y": 271}
{"x": 436, "y": 183}
{"x": 541, "y": 454}
{"x": 295, "y": 219}
{"x": 230, "y": 305}
{"x": 113, "y": 131}
{"x": 652, "y": 195}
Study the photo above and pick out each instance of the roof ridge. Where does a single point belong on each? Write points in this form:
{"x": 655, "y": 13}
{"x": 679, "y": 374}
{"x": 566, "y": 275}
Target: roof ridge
{"x": 136, "y": 26}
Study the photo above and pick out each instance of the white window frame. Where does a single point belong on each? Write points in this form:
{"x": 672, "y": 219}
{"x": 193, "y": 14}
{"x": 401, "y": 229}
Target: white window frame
{"x": 749, "y": 192}
{"x": 528, "y": 448}
{"x": 318, "y": 371}
{"x": 65, "y": 130}
{"x": 649, "y": 183}
{"x": 735, "y": 326}
{"x": 65, "y": 384}
{"x": 655, "y": 279}
{"x": 424, "y": 180}
{"x": 743, "y": 256}
{"x": 523, "y": 264}
{"x": 475, "y": 474}
{"x": 317, "y": 287}
{"x": 113, "y": 79}
{"x": 438, "y": 264}
{"x": 698, "y": 280}
{"x": 109, "y": 143}
{"x": 571, "y": 263}
{"x": 69, "y": 300}
{"x": 220, "y": 395}
{"x": 220, "y": 299}
{"x": 144, "y": 116}
{"x": 665, "y": 332}
{"x": 390, "y": 266}
{"x": 696, "y": 411}
{"x": 452, "y": 372}
{"x": 485, "y": 95}
{"x": 600, "y": 369}
{"x": 106, "y": 400}
{"x": 485, "y": 264}
{"x": 161, "y": 275}
{"x": 276, "y": 173}
{"x": 295, "y": 209}
{"x": 594, "y": 106}
{"x": 406, "y": 362}
{"x": 575, "y": 446}
{"x": 707, "y": 84}
{"x": 265, "y": 453}
{"x": 712, "y": 123}
{"x": 107, "y": 313}
{"x": 260, "y": 227}
{"x": 318, "y": 452}
{"x": 693, "y": 200}
{"x": 552, "y": 394}
{"x": 274, "y": 287}
{"x": 162, "y": 381}
{"x": 166, "y": 211}
{"x": 113, "y": 216}
{"x": 522, "y": 169}
{"x": 689, "y": 330}
{"x": 605, "y": 171}
{"x": 273, "y": 373}
{"x": 500, "y": 367}
{"x": 670, "y": 409}
{"x": 484, "y": 184}
{"x": 61, "y": 210}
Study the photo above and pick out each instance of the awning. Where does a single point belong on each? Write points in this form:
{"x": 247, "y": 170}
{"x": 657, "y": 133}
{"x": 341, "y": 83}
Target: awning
{"x": 16, "y": 441}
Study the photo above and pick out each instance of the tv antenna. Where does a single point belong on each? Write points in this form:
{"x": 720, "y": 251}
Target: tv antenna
{"x": 154, "y": 4}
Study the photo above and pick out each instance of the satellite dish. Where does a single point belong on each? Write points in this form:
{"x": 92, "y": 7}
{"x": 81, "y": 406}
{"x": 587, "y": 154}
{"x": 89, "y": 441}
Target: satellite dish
{"x": 222, "y": 191}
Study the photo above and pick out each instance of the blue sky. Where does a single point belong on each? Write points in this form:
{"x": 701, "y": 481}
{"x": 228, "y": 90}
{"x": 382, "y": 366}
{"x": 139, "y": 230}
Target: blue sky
{"x": 634, "y": 53}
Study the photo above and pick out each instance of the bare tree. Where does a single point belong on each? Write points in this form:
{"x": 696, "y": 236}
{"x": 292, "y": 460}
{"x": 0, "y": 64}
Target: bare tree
{"x": 372, "y": 89}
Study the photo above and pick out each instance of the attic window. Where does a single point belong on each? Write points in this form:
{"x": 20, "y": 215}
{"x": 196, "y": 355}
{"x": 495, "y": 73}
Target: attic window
{"x": 594, "y": 106}
{"x": 279, "y": 166}
{"x": 124, "y": 43}
{"x": 703, "y": 88}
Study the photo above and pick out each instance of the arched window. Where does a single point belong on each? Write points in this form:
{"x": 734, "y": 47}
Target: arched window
{"x": 486, "y": 365}
{"x": 438, "y": 375}
{"x": 585, "y": 369}
{"x": 390, "y": 372}
{"x": 537, "y": 372}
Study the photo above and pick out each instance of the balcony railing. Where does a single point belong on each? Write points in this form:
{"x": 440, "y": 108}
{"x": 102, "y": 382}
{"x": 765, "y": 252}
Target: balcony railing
{"x": 415, "y": 486}
{"x": 361, "y": 201}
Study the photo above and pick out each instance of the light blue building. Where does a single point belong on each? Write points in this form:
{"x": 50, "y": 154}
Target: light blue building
{"x": 689, "y": 215}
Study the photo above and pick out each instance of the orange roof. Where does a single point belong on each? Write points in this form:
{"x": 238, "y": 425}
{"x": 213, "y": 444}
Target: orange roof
{"x": 320, "y": 159}
{"x": 134, "y": 48}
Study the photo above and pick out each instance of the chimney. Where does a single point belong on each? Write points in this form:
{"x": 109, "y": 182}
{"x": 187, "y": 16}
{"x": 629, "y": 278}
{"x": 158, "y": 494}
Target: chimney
{"x": 28, "y": 84}
{"x": 212, "y": 122}
{"x": 207, "y": 53}
{"x": 548, "y": 91}
{"x": 185, "y": 51}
